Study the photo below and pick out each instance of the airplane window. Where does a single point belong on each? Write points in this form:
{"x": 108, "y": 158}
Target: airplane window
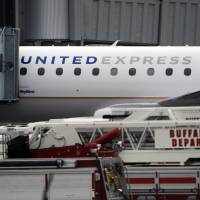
{"x": 169, "y": 71}
{"x": 113, "y": 71}
{"x": 150, "y": 71}
{"x": 187, "y": 71}
{"x": 77, "y": 71}
{"x": 41, "y": 71}
{"x": 95, "y": 71}
{"x": 59, "y": 71}
{"x": 132, "y": 71}
{"x": 23, "y": 71}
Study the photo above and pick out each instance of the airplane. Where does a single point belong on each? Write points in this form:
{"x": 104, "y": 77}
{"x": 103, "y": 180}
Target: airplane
{"x": 69, "y": 81}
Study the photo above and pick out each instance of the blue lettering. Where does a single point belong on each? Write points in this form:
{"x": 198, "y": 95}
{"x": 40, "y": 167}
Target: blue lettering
{"x": 43, "y": 60}
{"x": 91, "y": 60}
{"x": 53, "y": 60}
{"x": 26, "y": 62}
{"x": 77, "y": 60}
{"x": 64, "y": 59}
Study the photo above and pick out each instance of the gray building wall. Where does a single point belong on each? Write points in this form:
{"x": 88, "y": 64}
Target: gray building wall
{"x": 180, "y": 23}
{"x": 126, "y": 20}
{"x": 43, "y": 19}
{"x": 154, "y": 22}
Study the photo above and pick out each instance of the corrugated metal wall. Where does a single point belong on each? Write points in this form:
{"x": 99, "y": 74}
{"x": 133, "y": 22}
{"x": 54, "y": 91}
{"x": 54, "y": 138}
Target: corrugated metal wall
{"x": 164, "y": 22}
{"x": 180, "y": 22}
{"x": 127, "y": 20}
{"x": 44, "y": 19}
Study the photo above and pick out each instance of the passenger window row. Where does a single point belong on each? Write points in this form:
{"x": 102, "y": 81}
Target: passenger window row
{"x": 113, "y": 71}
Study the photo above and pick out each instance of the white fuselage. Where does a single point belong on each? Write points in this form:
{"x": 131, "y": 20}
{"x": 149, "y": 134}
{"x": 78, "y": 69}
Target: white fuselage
{"x": 91, "y": 77}
{"x": 105, "y": 85}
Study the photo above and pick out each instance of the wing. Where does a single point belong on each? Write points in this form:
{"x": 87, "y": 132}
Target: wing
{"x": 191, "y": 99}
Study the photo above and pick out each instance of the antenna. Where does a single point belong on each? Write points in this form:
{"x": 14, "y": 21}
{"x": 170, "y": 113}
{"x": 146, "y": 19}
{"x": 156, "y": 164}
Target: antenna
{"x": 115, "y": 43}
